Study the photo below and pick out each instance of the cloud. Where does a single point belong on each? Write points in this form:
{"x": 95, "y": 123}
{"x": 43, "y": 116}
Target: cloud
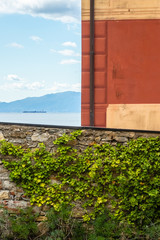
{"x": 36, "y": 38}
{"x": 62, "y": 87}
{"x": 15, "y": 45}
{"x": 15, "y": 86}
{"x": 76, "y": 87}
{"x": 67, "y": 11}
{"x": 69, "y": 61}
{"x": 13, "y": 77}
{"x": 69, "y": 44}
{"x": 18, "y": 83}
{"x": 35, "y": 85}
{"x": 23, "y": 86}
{"x": 66, "y": 52}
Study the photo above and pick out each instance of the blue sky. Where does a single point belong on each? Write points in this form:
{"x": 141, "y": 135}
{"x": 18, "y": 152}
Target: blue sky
{"x": 40, "y": 47}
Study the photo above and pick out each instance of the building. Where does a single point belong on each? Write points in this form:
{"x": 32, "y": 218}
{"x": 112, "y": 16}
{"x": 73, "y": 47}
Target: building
{"x": 122, "y": 63}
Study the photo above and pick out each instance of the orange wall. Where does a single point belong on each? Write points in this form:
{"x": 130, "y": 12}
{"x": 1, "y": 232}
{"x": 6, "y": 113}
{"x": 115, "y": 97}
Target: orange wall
{"x": 133, "y": 69}
{"x": 127, "y": 58}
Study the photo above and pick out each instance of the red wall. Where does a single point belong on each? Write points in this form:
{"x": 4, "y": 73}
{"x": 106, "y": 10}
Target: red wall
{"x": 127, "y": 65}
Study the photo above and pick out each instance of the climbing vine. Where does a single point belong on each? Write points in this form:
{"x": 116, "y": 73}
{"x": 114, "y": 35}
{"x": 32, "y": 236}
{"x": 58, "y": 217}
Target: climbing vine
{"x": 126, "y": 179}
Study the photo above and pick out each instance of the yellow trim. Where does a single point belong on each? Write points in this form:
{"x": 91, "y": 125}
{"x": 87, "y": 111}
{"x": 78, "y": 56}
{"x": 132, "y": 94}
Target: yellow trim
{"x": 122, "y": 9}
{"x": 133, "y": 116}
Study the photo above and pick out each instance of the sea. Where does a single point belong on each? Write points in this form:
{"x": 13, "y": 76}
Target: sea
{"x": 58, "y": 119}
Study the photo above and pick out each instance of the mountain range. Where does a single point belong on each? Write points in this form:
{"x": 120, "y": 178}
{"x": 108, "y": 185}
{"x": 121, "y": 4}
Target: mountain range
{"x": 56, "y": 102}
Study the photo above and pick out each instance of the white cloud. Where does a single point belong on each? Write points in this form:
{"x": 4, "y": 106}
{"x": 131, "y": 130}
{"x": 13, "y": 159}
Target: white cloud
{"x": 69, "y": 44}
{"x": 36, "y": 38}
{"x": 67, "y": 11}
{"x": 23, "y": 86}
{"x": 69, "y": 61}
{"x": 13, "y": 77}
{"x": 15, "y": 45}
{"x": 66, "y": 52}
{"x": 76, "y": 87}
{"x": 62, "y": 87}
{"x": 15, "y": 86}
{"x": 58, "y": 87}
{"x": 15, "y": 82}
{"x": 35, "y": 85}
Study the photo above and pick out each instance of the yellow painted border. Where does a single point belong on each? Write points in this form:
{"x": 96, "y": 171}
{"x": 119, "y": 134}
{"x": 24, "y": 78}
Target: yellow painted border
{"x": 122, "y": 9}
{"x": 133, "y": 116}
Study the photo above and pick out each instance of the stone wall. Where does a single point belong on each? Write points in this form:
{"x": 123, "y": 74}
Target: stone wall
{"x": 29, "y": 136}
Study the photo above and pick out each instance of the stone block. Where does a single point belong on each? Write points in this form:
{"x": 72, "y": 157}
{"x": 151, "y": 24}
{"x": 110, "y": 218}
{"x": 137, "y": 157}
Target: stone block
{"x": 8, "y": 185}
{"x": 3, "y": 170}
{"x": 108, "y": 138}
{"x": 18, "y": 204}
{"x": 41, "y": 219}
{"x": 121, "y": 139}
{"x": 1, "y": 136}
{"x": 4, "y": 176}
{"x": 127, "y": 134}
{"x": 36, "y": 137}
{"x": 4, "y": 195}
{"x": 97, "y": 139}
{"x": 43, "y": 227}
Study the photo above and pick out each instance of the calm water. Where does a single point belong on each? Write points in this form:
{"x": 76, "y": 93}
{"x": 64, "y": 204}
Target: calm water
{"x": 64, "y": 119}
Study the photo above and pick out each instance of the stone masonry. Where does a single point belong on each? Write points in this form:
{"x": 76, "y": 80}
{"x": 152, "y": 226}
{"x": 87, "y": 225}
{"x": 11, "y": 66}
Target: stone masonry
{"x": 28, "y": 136}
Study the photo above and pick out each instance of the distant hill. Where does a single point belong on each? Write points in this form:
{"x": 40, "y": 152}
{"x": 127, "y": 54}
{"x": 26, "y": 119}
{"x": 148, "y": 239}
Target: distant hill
{"x": 56, "y": 102}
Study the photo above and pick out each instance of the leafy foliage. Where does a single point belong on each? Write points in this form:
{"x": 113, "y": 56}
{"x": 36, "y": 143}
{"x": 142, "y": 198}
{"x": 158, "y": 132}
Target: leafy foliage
{"x": 24, "y": 225}
{"x": 20, "y": 226}
{"x": 126, "y": 179}
{"x": 63, "y": 226}
{"x": 105, "y": 227}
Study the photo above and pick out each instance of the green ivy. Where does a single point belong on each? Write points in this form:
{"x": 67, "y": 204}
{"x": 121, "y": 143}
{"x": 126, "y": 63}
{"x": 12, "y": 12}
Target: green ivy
{"x": 126, "y": 179}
